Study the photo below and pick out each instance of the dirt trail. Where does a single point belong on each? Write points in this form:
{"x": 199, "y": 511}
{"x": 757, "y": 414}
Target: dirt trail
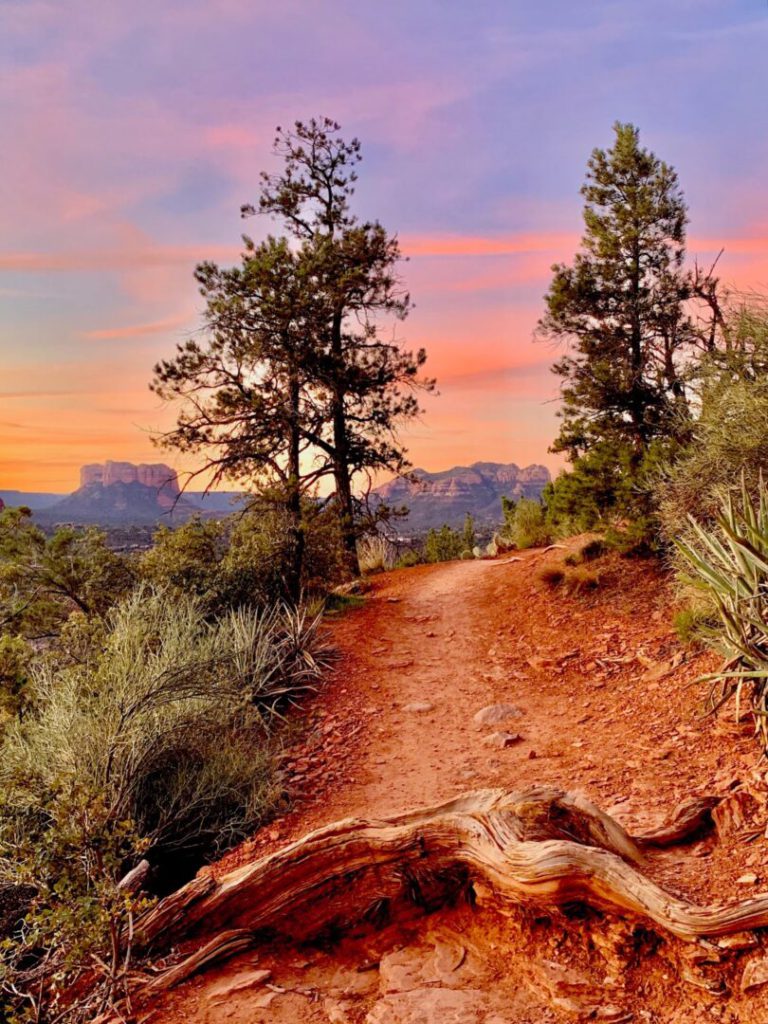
{"x": 599, "y": 684}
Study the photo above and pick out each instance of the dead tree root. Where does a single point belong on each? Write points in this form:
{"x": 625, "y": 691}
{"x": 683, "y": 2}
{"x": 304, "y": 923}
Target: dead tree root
{"x": 539, "y": 848}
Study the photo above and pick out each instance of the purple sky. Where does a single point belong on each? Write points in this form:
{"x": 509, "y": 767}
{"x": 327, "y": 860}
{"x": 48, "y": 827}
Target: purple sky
{"x": 132, "y": 132}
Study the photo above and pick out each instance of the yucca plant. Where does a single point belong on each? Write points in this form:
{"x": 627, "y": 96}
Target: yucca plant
{"x": 730, "y": 563}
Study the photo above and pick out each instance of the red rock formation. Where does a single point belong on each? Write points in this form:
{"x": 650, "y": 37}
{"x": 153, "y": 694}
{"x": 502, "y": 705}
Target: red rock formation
{"x": 157, "y": 475}
{"x": 445, "y": 497}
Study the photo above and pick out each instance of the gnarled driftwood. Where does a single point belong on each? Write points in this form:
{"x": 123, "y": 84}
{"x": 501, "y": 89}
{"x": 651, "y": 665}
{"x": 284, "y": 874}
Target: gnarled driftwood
{"x": 541, "y": 847}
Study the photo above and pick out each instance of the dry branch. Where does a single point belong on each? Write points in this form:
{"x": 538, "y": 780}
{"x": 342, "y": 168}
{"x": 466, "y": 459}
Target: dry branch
{"x": 222, "y": 947}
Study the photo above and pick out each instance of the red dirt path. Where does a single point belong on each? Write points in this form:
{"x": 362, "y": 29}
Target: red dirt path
{"x": 602, "y": 684}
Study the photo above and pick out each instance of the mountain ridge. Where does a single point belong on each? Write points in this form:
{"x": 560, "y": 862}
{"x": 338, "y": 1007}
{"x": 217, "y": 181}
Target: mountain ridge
{"x": 119, "y": 493}
{"x": 446, "y": 496}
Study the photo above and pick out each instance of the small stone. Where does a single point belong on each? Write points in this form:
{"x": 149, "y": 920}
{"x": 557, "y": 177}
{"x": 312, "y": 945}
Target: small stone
{"x": 755, "y": 974}
{"x": 502, "y": 739}
{"x": 419, "y": 706}
{"x": 749, "y": 879}
{"x": 240, "y": 983}
{"x": 738, "y": 940}
{"x": 263, "y": 1001}
{"x": 494, "y": 714}
{"x": 337, "y": 1012}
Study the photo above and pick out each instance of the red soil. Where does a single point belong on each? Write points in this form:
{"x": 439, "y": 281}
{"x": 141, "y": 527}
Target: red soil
{"x": 609, "y": 706}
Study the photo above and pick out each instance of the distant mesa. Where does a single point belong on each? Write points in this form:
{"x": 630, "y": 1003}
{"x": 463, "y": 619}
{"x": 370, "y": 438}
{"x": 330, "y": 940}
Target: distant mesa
{"x": 113, "y": 493}
{"x": 446, "y": 497}
{"x": 158, "y": 477}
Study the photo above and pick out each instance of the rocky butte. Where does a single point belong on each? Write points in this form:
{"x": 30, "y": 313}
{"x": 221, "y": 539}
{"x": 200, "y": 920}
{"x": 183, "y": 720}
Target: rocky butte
{"x": 112, "y": 493}
{"x": 158, "y": 476}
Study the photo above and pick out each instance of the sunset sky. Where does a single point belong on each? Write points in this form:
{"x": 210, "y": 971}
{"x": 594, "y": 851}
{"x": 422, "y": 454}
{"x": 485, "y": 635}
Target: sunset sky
{"x": 133, "y": 131}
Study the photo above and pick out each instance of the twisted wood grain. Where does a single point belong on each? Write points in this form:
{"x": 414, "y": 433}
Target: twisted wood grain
{"x": 541, "y": 847}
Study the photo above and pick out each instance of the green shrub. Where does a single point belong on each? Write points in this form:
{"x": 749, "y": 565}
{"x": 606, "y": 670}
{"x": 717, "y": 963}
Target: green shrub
{"x": 528, "y": 528}
{"x": 376, "y": 553}
{"x": 187, "y": 560}
{"x": 729, "y": 439}
{"x": 573, "y": 580}
{"x": 552, "y": 576}
{"x": 15, "y": 661}
{"x": 694, "y": 624}
{"x": 608, "y": 489}
{"x": 580, "y": 580}
{"x": 408, "y": 559}
{"x": 338, "y": 604}
{"x": 443, "y": 545}
{"x": 43, "y": 580}
{"x": 468, "y": 536}
{"x": 157, "y": 746}
{"x": 244, "y": 559}
{"x": 593, "y": 550}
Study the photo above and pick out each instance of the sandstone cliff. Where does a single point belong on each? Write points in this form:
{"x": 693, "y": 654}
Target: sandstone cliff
{"x": 446, "y": 497}
{"x": 123, "y": 493}
{"x": 158, "y": 476}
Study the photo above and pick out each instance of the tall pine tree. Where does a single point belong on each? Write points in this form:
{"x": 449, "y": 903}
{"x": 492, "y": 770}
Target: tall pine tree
{"x": 368, "y": 381}
{"x": 621, "y": 306}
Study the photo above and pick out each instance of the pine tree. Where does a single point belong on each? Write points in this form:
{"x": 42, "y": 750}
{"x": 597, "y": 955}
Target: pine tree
{"x": 248, "y": 403}
{"x": 294, "y": 379}
{"x": 621, "y": 306}
{"x": 369, "y": 383}
{"x": 469, "y": 537}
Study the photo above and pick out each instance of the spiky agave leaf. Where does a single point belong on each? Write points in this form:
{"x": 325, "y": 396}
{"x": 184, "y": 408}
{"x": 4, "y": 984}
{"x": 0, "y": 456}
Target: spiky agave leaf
{"x": 730, "y": 562}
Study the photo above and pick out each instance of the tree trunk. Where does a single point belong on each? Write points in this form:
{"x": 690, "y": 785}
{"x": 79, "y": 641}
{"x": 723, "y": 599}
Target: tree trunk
{"x": 341, "y": 471}
{"x": 637, "y": 411}
{"x": 295, "y": 567}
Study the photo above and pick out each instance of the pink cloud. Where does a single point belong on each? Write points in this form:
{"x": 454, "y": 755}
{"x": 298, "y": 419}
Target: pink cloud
{"x": 468, "y": 245}
{"x": 136, "y": 330}
{"x": 140, "y": 258}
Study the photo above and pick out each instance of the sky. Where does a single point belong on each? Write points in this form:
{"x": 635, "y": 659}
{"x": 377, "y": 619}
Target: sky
{"x": 132, "y": 132}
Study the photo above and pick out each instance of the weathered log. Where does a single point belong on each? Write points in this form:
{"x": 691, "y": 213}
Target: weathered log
{"x": 136, "y": 879}
{"x": 542, "y": 847}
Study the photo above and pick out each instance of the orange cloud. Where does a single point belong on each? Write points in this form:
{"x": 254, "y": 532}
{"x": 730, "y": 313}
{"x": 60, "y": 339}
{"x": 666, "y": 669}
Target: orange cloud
{"x": 497, "y": 393}
{"x": 468, "y": 245}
